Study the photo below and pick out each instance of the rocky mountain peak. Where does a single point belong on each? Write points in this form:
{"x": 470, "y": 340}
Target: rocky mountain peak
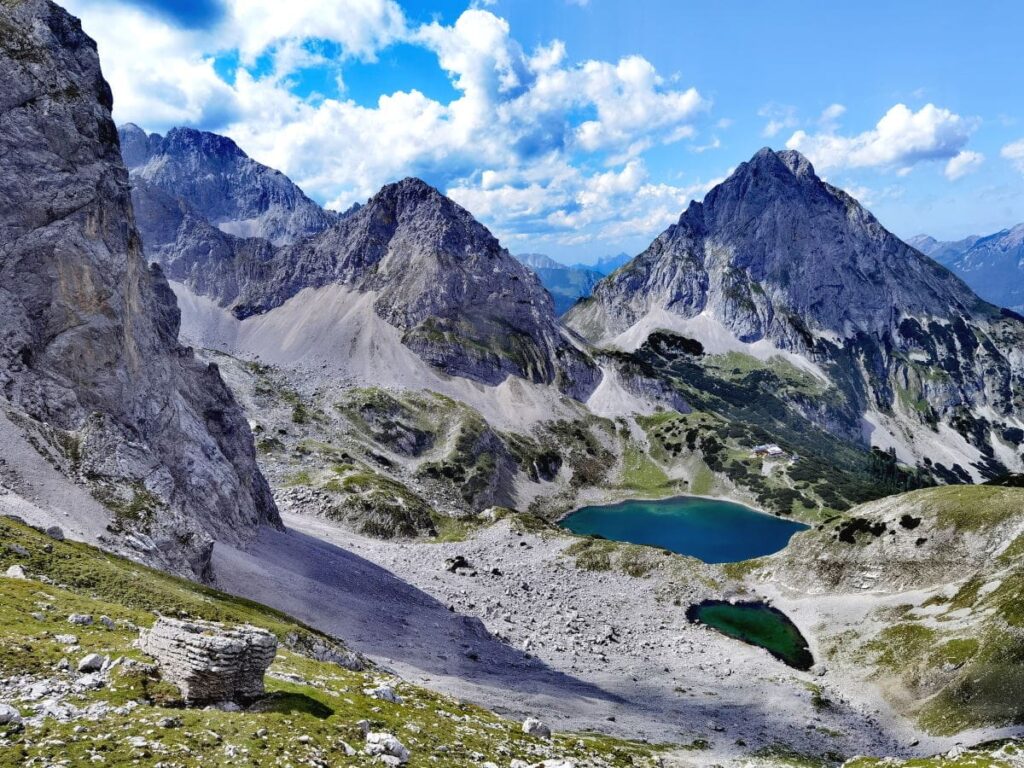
{"x": 210, "y": 176}
{"x": 211, "y": 147}
{"x": 774, "y": 254}
{"x": 462, "y": 301}
{"x": 136, "y": 147}
{"x": 413, "y": 207}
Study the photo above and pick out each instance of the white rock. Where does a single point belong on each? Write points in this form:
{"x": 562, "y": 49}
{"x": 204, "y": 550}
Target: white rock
{"x": 81, "y": 619}
{"x": 15, "y": 572}
{"x": 9, "y": 715}
{"x": 384, "y": 693}
{"x": 66, "y": 639}
{"x": 381, "y": 743}
{"x": 534, "y": 727}
{"x": 91, "y": 663}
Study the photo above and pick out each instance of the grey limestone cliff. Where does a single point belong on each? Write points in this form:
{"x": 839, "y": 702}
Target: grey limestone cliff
{"x": 89, "y": 357}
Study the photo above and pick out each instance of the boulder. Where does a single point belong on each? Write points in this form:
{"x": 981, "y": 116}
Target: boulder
{"x": 15, "y": 572}
{"x": 534, "y": 727}
{"x": 81, "y": 619}
{"x": 384, "y": 693}
{"x": 92, "y": 662}
{"x": 210, "y": 662}
{"x": 386, "y": 745}
{"x": 9, "y": 715}
{"x": 456, "y": 563}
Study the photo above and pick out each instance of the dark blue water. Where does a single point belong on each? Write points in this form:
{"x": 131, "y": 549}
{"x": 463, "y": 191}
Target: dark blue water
{"x": 711, "y": 530}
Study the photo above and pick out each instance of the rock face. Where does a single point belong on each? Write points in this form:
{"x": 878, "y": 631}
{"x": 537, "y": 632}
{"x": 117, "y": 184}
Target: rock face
{"x": 776, "y": 255}
{"x": 208, "y": 175}
{"x": 88, "y": 333}
{"x": 993, "y": 265}
{"x": 208, "y": 661}
{"x": 461, "y": 302}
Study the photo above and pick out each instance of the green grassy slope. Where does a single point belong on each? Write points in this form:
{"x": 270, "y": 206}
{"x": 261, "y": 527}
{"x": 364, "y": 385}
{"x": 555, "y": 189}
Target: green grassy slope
{"x": 311, "y": 710}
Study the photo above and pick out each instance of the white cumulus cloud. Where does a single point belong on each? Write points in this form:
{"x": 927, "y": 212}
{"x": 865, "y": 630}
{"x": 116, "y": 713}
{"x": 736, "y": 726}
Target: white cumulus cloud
{"x": 899, "y": 140}
{"x": 963, "y": 163}
{"x": 518, "y": 144}
{"x": 1014, "y": 152}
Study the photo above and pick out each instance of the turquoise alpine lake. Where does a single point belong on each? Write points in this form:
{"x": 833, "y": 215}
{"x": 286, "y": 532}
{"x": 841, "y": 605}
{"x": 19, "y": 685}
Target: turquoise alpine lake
{"x": 757, "y": 624}
{"x": 711, "y": 530}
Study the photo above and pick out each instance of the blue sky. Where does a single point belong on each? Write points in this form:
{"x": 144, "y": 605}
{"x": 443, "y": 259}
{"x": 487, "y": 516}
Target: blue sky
{"x": 582, "y": 128}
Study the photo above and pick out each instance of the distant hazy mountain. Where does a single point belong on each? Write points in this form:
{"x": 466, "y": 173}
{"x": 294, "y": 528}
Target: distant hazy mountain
{"x": 606, "y": 264}
{"x": 944, "y": 252}
{"x": 993, "y": 265}
{"x": 566, "y": 284}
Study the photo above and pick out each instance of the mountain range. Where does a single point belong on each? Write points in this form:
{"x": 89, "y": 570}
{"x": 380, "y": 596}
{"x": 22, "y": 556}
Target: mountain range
{"x": 992, "y": 265}
{"x": 907, "y": 357}
{"x": 374, "y": 421}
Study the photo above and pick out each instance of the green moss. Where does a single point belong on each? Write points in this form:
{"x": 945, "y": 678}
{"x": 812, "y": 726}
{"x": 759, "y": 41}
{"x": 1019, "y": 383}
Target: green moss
{"x": 637, "y": 561}
{"x": 302, "y": 477}
{"x": 1013, "y": 552}
{"x": 133, "y": 505}
{"x": 740, "y": 570}
{"x": 967, "y": 595}
{"x": 382, "y": 507}
{"x": 899, "y": 646}
{"x": 703, "y": 481}
{"x": 595, "y": 554}
{"x": 641, "y": 473}
{"x": 592, "y": 554}
{"x": 971, "y": 508}
{"x": 451, "y": 529}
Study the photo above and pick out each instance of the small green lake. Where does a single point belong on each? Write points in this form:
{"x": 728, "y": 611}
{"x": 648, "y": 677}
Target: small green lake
{"x": 757, "y": 624}
{"x": 711, "y": 530}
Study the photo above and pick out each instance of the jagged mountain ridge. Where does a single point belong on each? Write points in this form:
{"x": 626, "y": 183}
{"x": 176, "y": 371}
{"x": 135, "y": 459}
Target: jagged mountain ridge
{"x": 90, "y": 366}
{"x": 458, "y": 299}
{"x": 210, "y": 175}
{"x": 943, "y": 252}
{"x": 992, "y": 265}
{"x": 776, "y": 256}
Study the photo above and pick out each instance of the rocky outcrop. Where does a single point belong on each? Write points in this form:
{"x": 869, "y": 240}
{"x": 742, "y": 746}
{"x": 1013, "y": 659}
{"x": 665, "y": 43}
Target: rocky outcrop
{"x": 210, "y": 662}
{"x": 911, "y": 541}
{"x": 209, "y": 175}
{"x": 776, "y": 255}
{"x": 89, "y": 358}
